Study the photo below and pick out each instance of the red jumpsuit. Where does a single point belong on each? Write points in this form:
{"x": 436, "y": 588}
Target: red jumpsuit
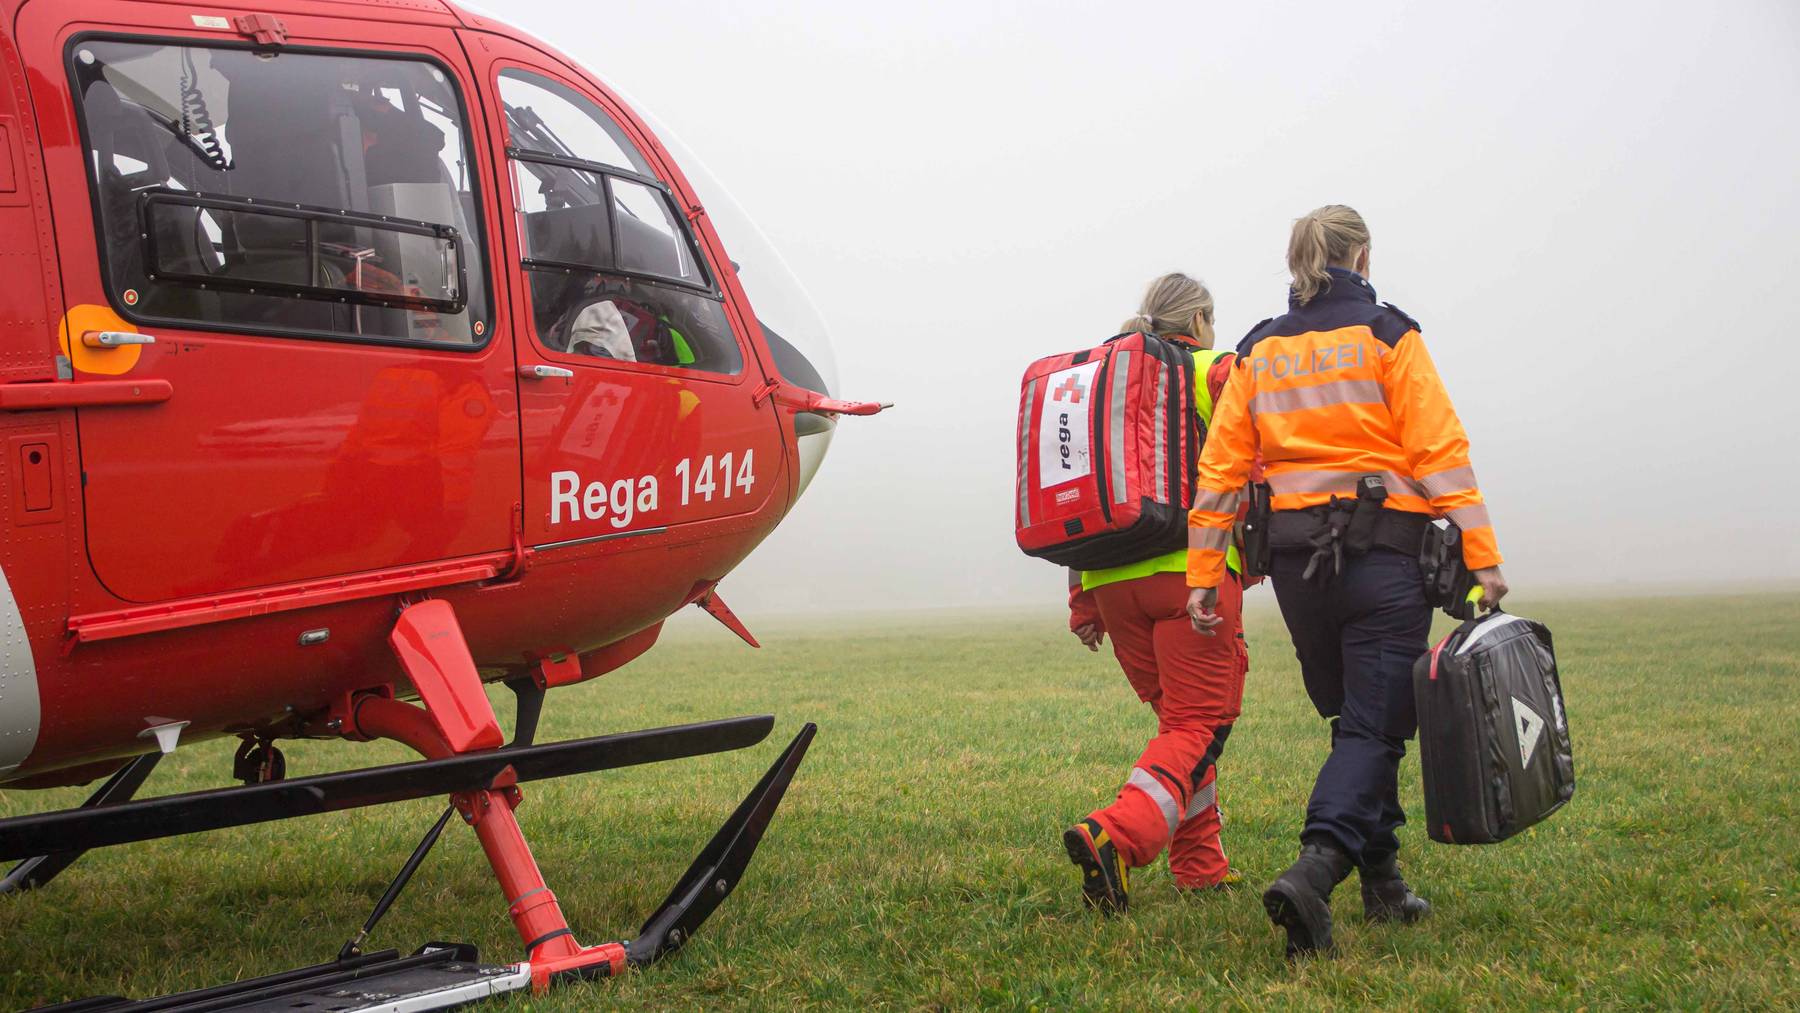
{"x": 1195, "y": 685}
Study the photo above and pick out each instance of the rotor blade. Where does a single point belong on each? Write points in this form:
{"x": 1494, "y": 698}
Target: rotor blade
{"x": 148, "y": 819}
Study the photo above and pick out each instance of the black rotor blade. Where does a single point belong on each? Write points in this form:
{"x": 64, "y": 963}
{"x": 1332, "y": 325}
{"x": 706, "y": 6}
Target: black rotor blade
{"x": 171, "y": 815}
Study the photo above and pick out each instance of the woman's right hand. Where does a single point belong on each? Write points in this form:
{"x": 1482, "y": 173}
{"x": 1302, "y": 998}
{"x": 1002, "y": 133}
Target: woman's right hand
{"x": 1084, "y": 617}
{"x": 1090, "y": 635}
{"x": 1493, "y": 587}
{"x": 1202, "y": 608}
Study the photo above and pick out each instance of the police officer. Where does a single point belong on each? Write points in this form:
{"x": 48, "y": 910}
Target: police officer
{"x": 1361, "y": 449}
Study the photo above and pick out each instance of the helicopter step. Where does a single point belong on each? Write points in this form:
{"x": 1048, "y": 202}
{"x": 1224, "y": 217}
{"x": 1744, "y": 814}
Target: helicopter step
{"x": 438, "y": 976}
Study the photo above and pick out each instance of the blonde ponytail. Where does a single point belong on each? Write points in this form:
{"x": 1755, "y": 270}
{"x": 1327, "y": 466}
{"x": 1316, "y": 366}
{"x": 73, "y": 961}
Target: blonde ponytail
{"x": 1170, "y": 305}
{"x": 1324, "y": 237}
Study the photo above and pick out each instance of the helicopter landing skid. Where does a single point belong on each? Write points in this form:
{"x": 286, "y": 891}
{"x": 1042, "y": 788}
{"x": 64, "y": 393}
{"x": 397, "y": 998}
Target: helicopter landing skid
{"x": 457, "y": 718}
{"x": 448, "y": 975}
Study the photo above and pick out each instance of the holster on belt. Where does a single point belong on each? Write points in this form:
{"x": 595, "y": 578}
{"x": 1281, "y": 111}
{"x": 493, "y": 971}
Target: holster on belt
{"x": 1255, "y": 530}
{"x": 1448, "y": 580}
{"x": 1371, "y": 493}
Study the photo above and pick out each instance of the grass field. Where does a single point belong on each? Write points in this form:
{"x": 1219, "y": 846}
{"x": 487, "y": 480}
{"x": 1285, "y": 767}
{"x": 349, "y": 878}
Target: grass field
{"x": 916, "y": 864}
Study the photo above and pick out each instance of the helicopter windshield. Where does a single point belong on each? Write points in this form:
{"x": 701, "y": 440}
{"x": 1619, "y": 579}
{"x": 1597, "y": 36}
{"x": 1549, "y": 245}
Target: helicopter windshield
{"x": 791, "y": 325}
{"x": 283, "y": 192}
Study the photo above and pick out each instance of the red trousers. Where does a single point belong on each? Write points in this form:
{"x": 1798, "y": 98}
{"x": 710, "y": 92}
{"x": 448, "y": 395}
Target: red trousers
{"x": 1195, "y": 684}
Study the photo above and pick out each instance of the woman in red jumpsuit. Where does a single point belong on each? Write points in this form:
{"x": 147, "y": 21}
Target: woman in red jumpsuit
{"x": 1193, "y": 682}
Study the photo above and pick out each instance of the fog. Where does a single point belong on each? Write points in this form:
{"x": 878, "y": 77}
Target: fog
{"x": 1591, "y": 209}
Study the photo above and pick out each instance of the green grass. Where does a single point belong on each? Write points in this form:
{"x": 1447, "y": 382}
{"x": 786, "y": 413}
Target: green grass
{"x": 916, "y": 864}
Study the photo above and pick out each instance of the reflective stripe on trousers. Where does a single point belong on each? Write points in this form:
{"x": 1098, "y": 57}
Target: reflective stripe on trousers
{"x": 1204, "y": 799}
{"x": 1147, "y": 783}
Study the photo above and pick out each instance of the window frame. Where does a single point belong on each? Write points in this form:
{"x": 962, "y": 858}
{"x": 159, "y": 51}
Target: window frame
{"x": 312, "y": 217}
{"x": 482, "y": 330}
{"x": 607, "y": 174}
{"x": 710, "y": 286}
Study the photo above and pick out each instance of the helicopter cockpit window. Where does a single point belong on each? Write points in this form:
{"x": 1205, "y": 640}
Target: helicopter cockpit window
{"x": 614, "y": 270}
{"x": 293, "y": 193}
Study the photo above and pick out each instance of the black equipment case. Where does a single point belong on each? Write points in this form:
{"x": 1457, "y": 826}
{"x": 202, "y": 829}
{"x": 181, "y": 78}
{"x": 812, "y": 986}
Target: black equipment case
{"x": 1493, "y": 738}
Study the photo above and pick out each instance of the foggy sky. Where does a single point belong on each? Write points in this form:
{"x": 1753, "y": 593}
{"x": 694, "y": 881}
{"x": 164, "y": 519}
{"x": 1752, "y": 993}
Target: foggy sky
{"x": 1591, "y": 209}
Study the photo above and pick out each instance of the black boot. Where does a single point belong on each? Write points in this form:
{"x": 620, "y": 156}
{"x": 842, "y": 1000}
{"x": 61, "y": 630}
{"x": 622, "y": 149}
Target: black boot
{"x": 1386, "y": 897}
{"x": 1300, "y": 899}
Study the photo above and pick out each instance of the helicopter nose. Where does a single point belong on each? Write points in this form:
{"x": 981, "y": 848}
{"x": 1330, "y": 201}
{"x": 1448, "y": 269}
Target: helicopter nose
{"x": 812, "y": 430}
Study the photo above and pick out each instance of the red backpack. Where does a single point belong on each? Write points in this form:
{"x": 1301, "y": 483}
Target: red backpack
{"x": 1108, "y": 443}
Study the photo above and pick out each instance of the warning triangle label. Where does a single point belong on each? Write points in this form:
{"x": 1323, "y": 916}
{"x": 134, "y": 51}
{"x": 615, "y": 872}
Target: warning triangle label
{"x": 1530, "y": 726}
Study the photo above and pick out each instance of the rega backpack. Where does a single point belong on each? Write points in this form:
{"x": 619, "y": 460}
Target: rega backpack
{"x": 1108, "y": 443}
{"x": 1493, "y": 739}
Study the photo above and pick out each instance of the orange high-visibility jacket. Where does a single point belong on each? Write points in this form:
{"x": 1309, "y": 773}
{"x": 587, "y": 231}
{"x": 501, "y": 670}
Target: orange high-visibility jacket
{"x": 1336, "y": 389}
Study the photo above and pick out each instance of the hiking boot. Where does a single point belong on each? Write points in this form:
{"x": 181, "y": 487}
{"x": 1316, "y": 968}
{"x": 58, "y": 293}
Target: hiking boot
{"x": 1105, "y": 882}
{"x": 1300, "y": 899}
{"x": 1386, "y": 897}
{"x": 1224, "y": 883}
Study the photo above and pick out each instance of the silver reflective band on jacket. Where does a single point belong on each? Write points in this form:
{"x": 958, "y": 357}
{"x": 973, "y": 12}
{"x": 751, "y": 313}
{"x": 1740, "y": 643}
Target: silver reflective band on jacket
{"x": 1340, "y": 482}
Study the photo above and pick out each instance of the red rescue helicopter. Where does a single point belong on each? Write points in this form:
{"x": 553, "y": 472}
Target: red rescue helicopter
{"x": 357, "y": 354}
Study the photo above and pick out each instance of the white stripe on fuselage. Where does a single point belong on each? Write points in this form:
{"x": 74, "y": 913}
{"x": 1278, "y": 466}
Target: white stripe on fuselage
{"x": 19, "y": 711}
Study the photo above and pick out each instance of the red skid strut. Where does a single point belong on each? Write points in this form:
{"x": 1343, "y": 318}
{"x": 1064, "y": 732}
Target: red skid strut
{"x": 436, "y": 658}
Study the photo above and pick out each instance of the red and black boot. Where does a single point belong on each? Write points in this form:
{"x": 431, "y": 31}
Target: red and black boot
{"x": 1105, "y": 880}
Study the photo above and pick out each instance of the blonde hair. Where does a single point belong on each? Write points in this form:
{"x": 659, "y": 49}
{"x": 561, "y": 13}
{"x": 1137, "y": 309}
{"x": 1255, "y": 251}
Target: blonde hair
{"x": 1170, "y": 305}
{"x": 1323, "y": 237}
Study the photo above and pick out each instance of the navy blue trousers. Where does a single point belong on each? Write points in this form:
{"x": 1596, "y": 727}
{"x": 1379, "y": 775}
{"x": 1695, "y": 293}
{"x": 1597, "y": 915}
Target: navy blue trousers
{"x": 1357, "y": 638}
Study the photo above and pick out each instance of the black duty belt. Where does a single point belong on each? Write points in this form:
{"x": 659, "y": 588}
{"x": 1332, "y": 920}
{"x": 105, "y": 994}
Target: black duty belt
{"x": 1400, "y": 530}
{"x": 1352, "y": 526}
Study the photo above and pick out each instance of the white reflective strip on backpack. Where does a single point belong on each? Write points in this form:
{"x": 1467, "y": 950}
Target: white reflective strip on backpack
{"x": 1162, "y": 432}
{"x": 1488, "y": 625}
{"x": 1143, "y": 781}
{"x": 1025, "y": 454}
{"x": 1115, "y": 439}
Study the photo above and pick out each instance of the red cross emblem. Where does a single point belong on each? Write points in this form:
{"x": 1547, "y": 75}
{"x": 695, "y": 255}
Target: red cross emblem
{"x": 1070, "y": 390}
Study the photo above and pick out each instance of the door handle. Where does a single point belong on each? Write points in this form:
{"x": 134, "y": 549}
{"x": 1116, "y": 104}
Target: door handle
{"x": 542, "y": 372}
{"x": 115, "y": 339}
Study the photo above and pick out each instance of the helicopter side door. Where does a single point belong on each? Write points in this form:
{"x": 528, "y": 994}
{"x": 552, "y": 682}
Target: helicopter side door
{"x": 639, "y": 392}
{"x": 292, "y": 234}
